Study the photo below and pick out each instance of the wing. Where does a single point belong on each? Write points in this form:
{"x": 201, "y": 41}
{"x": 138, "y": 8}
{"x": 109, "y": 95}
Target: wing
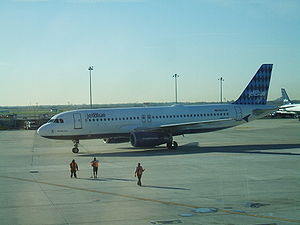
{"x": 182, "y": 126}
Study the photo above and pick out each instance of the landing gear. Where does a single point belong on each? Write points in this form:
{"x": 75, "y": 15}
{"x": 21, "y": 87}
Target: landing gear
{"x": 172, "y": 145}
{"x": 75, "y": 149}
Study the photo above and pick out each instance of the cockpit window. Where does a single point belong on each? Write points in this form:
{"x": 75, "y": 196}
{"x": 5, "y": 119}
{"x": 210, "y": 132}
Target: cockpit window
{"x": 56, "y": 121}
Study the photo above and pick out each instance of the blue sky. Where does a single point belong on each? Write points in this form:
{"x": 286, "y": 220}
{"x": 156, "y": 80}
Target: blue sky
{"x": 136, "y": 46}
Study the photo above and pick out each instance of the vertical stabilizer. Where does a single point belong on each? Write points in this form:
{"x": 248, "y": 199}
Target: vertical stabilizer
{"x": 257, "y": 90}
{"x": 285, "y": 98}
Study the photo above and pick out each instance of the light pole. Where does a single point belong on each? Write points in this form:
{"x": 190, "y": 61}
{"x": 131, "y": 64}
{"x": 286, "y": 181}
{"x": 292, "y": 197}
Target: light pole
{"x": 221, "y": 87}
{"x": 176, "y": 76}
{"x": 90, "y": 69}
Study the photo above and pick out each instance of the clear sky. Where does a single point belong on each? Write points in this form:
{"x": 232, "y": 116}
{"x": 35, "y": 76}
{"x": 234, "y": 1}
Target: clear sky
{"x": 136, "y": 46}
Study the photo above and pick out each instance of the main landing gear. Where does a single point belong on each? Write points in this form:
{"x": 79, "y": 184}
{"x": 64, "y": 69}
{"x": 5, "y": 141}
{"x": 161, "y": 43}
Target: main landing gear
{"x": 75, "y": 149}
{"x": 172, "y": 145}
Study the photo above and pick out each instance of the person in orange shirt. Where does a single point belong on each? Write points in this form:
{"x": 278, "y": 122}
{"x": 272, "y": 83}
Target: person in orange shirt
{"x": 139, "y": 172}
{"x": 95, "y": 165}
{"x": 73, "y": 168}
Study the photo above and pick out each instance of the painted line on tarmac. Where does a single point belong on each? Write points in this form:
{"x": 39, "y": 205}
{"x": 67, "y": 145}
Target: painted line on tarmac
{"x": 149, "y": 199}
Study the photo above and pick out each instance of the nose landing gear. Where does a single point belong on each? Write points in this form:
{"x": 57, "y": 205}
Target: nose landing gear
{"x": 75, "y": 149}
{"x": 172, "y": 145}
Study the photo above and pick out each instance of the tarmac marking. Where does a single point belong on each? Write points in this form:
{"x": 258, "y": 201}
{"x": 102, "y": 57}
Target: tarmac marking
{"x": 150, "y": 200}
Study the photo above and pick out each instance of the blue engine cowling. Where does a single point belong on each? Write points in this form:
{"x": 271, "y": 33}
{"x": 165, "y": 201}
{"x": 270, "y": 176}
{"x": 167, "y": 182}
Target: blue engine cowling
{"x": 149, "y": 139}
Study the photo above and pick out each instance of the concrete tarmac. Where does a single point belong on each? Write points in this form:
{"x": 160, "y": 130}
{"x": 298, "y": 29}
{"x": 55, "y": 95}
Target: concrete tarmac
{"x": 249, "y": 174}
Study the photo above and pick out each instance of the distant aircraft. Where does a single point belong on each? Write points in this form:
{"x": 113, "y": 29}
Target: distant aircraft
{"x": 288, "y": 107}
{"x": 153, "y": 126}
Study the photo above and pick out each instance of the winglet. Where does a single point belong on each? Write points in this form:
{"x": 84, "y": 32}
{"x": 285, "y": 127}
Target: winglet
{"x": 257, "y": 90}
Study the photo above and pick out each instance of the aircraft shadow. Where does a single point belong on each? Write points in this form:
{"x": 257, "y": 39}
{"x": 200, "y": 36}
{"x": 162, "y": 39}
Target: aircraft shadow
{"x": 194, "y": 149}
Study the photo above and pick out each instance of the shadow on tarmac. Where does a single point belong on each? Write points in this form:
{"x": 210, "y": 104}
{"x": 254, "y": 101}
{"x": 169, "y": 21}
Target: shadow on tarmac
{"x": 192, "y": 148}
{"x": 170, "y": 188}
{"x": 106, "y": 179}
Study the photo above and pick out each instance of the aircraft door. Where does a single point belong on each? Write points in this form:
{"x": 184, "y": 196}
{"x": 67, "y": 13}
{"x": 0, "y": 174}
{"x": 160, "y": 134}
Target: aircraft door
{"x": 143, "y": 118}
{"x": 146, "y": 118}
{"x": 238, "y": 112}
{"x": 77, "y": 121}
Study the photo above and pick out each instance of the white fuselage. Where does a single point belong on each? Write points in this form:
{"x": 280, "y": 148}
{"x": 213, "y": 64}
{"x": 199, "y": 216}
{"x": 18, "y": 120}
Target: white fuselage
{"x": 289, "y": 108}
{"x": 175, "y": 120}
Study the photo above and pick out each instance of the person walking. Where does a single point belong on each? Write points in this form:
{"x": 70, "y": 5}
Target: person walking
{"x": 73, "y": 168}
{"x": 139, "y": 172}
{"x": 95, "y": 165}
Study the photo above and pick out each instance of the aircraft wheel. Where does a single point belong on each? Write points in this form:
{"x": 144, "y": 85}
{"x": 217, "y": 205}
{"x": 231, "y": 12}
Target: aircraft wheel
{"x": 75, "y": 150}
{"x": 175, "y": 145}
{"x": 169, "y": 145}
{"x": 172, "y": 145}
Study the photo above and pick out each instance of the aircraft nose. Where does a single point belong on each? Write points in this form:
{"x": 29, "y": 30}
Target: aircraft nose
{"x": 42, "y": 131}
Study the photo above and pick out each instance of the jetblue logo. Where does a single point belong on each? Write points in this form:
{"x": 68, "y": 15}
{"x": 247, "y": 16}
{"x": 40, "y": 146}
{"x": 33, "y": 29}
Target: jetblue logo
{"x": 257, "y": 93}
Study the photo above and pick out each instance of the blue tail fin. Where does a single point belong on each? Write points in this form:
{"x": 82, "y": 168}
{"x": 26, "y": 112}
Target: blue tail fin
{"x": 257, "y": 90}
{"x": 285, "y": 98}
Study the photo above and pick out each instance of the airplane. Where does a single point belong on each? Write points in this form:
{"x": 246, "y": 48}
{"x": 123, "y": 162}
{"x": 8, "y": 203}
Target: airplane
{"x": 154, "y": 126}
{"x": 288, "y": 108}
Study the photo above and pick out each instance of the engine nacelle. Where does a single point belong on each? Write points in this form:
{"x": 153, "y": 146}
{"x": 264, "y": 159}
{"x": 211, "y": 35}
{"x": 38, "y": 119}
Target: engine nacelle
{"x": 149, "y": 139}
{"x": 115, "y": 140}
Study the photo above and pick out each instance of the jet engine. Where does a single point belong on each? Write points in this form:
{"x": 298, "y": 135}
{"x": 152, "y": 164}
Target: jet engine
{"x": 149, "y": 139}
{"x": 115, "y": 140}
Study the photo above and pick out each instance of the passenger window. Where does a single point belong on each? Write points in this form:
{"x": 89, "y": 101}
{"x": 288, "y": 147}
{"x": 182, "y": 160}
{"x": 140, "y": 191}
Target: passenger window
{"x": 56, "y": 121}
